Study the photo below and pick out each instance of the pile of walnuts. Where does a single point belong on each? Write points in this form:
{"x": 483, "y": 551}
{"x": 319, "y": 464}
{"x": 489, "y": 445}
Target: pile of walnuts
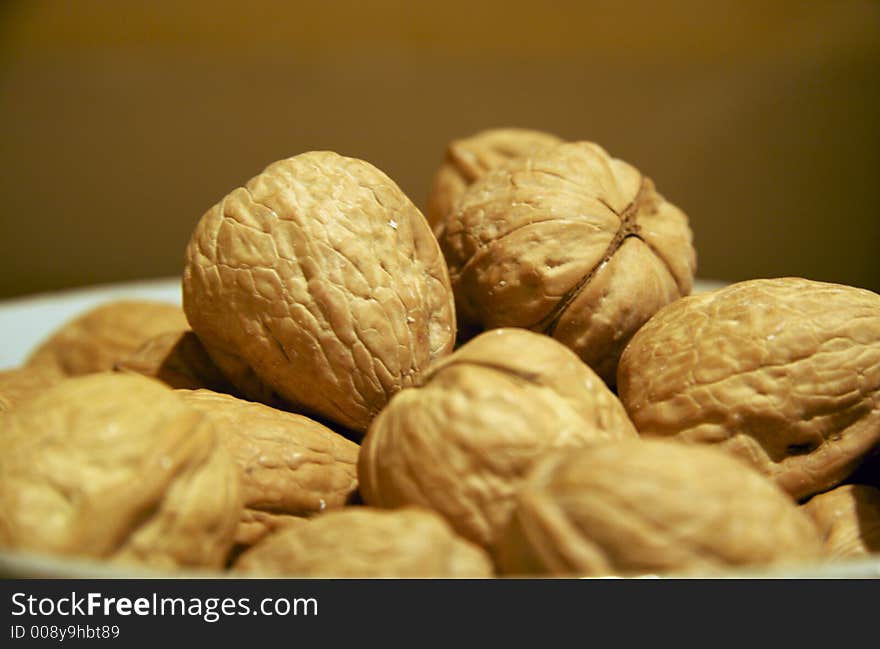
{"x": 518, "y": 382}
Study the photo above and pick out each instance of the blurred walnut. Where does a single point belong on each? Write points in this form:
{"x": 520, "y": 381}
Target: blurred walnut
{"x": 361, "y": 543}
{"x": 256, "y": 524}
{"x": 462, "y": 441}
{"x": 96, "y": 339}
{"x": 849, "y": 519}
{"x": 570, "y": 242}
{"x": 179, "y": 360}
{"x": 324, "y": 281}
{"x": 651, "y": 506}
{"x": 116, "y": 466}
{"x": 468, "y": 159}
{"x": 20, "y": 383}
{"x": 290, "y": 465}
{"x": 784, "y": 373}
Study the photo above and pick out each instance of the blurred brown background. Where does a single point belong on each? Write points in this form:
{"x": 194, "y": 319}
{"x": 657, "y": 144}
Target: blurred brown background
{"x": 122, "y": 122}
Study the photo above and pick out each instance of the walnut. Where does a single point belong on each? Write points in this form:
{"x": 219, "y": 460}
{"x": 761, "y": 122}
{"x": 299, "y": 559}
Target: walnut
{"x": 461, "y": 442}
{"x": 255, "y": 525}
{"x": 117, "y": 467}
{"x": 782, "y": 372}
{"x": 468, "y": 159}
{"x": 361, "y": 542}
{"x": 178, "y": 359}
{"x": 651, "y": 507}
{"x": 290, "y": 465}
{"x": 94, "y": 340}
{"x": 570, "y": 242}
{"x": 849, "y": 519}
{"x": 322, "y": 278}
{"x": 20, "y": 383}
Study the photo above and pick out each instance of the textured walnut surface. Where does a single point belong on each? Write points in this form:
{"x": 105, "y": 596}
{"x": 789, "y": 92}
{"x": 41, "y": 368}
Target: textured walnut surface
{"x": 361, "y": 542}
{"x": 290, "y": 464}
{"x": 849, "y": 518}
{"x": 179, "y": 360}
{"x": 20, "y": 383}
{"x": 118, "y": 467}
{"x": 256, "y": 524}
{"x": 462, "y": 441}
{"x": 651, "y": 506}
{"x": 470, "y": 158}
{"x": 325, "y": 280}
{"x": 96, "y": 339}
{"x": 782, "y": 372}
{"x": 570, "y": 242}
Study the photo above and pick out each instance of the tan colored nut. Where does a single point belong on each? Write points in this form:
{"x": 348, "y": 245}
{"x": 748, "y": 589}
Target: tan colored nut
{"x": 648, "y": 507}
{"x": 118, "y": 467}
{"x": 20, "y": 383}
{"x": 289, "y": 463}
{"x": 363, "y": 543}
{"x": 849, "y": 519}
{"x": 462, "y": 442}
{"x": 570, "y": 242}
{"x": 784, "y": 373}
{"x": 255, "y": 525}
{"x": 324, "y": 279}
{"x": 179, "y": 360}
{"x": 468, "y": 159}
{"x": 96, "y": 339}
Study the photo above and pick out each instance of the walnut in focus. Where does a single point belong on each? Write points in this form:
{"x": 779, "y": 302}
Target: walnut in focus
{"x": 117, "y": 467}
{"x": 849, "y": 518}
{"x": 784, "y": 373}
{"x": 321, "y": 278}
{"x": 290, "y": 465}
{"x": 570, "y": 242}
{"x": 362, "y": 543}
{"x": 651, "y": 507}
{"x": 462, "y": 441}
{"x": 96, "y": 339}
{"x": 179, "y": 360}
{"x": 20, "y": 383}
{"x": 470, "y": 158}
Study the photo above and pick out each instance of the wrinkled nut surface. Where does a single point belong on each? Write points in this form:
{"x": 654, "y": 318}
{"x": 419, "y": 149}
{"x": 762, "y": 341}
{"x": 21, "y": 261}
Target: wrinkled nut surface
{"x": 118, "y": 467}
{"x": 651, "y": 506}
{"x": 569, "y": 242}
{"x": 362, "y": 542}
{"x": 848, "y": 517}
{"x": 255, "y": 525}
{"x": 20, "y": 383}
{"x": 783, "y": 372}
{"x": 462, "y": 442}
{"x": 179, "y": 360}
{"x": 102, "y": 335}
{"x": 468, "y": 159}
{"x": 290, "y": 464}
{"x": 322, "y": 278}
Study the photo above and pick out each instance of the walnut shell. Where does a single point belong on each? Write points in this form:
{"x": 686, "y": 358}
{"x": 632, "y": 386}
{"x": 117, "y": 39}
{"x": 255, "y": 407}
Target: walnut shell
{"x": 290, "y": 464}
{"x": 849, "y": 518}
{"x": 468, "y": 159}
{"x": 179, "y": 360}
{"x": 255, "y": 525}
{"x": 20, "y": 383}
{"x": 361, "y": 543}
{"x": 324, "y": 279}
{"x": 783, "y": 372}
{"x": 651, "y": 506}
{"x": 462, "y": 441}
{"x": 570, "y": 242}
{"x": 118, "y": 467}
{"x": 96, "y": 339}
